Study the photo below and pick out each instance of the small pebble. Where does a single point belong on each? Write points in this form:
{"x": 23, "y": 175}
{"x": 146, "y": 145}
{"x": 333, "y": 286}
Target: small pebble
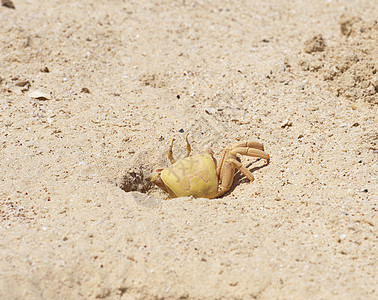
{"x": 286, "y": 123}
{"x": 39, "y": 95}
{"x": 45, "y": 70}
{"x": 7, "y": 3}
{"x": 210, "y": 110}
{"x": 23, "y": 83}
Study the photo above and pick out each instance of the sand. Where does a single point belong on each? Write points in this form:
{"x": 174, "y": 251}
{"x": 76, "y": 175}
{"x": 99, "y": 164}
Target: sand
{"x": 92, "y": 92}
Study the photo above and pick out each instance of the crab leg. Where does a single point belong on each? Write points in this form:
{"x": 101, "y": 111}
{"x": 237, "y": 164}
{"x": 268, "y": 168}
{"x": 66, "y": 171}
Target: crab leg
{"x": 170, "y": 153}
{"x": 251, "y": 152}
{"x": 188, "y": 148}
{"x": 248, "y": 144}
{"x": 242, "y": 169}
{"x": 228, "y": 177}
{"x": 254, "y": 149}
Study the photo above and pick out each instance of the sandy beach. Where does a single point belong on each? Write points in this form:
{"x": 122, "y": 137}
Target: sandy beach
{"x": 91, "y": 95}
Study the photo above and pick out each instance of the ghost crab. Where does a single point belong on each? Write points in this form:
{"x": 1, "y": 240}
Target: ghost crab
{"x": 199, "y": 176}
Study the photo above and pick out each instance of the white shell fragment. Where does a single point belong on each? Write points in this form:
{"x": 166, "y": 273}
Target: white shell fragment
{"x": 39, "y": 95}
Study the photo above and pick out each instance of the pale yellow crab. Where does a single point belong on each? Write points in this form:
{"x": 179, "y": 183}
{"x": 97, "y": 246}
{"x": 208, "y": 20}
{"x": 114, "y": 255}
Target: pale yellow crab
{"x": 199, "y": 176}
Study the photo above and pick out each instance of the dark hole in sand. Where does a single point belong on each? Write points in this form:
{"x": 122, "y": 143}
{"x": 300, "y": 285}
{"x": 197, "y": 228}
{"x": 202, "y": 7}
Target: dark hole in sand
{"x": 136, "y": 180}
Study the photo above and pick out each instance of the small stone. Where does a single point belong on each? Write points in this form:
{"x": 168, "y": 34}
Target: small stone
{"x": 45, "y": 70}
{"x": 286, "y": 123}
{"x": 210, "y": 110}
{"x": 23, "y": 83}
{"x": 85, "y": 90}
{"x": 7, "y": 3}
{"x": 39, "y": 95}
{"x": 315, "y": 44}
